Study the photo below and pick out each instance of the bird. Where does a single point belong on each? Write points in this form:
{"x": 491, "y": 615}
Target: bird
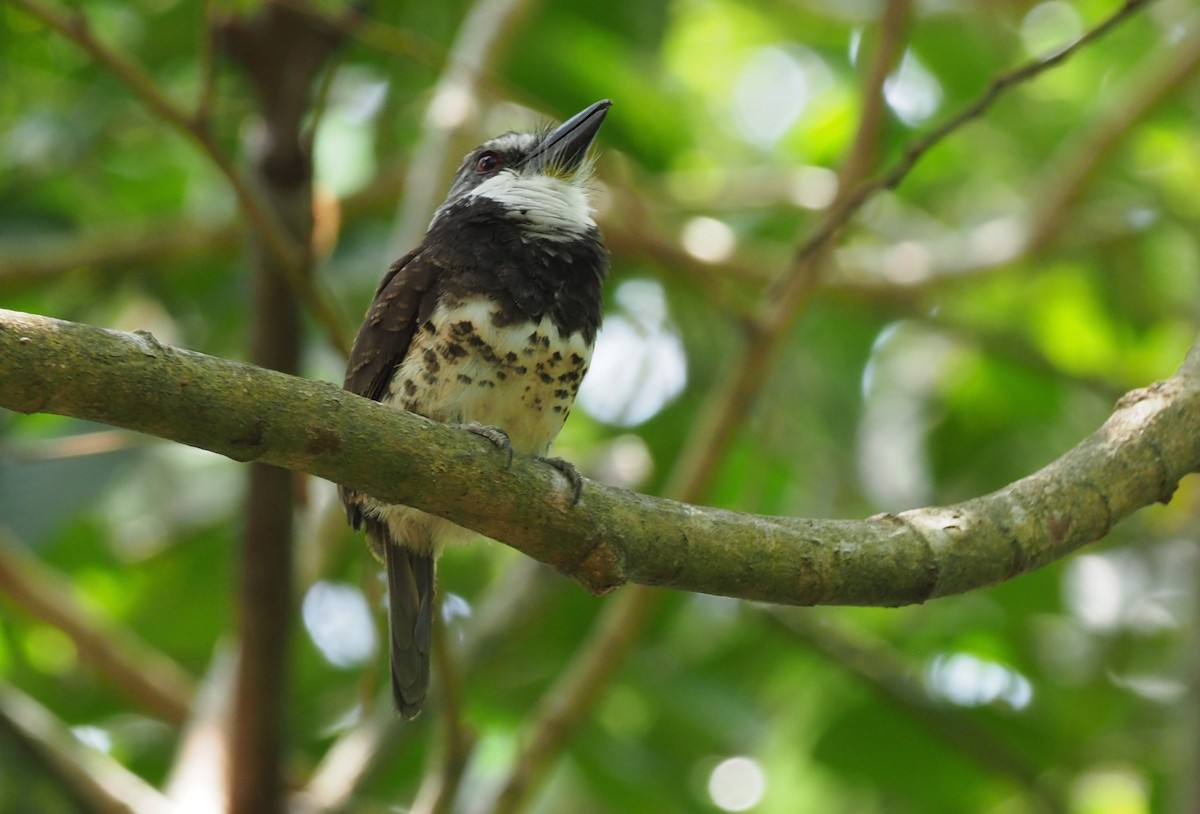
{"x": 488, "y": 324}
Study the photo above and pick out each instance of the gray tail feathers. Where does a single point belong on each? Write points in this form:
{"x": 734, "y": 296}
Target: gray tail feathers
{"x": 410, "y": 610}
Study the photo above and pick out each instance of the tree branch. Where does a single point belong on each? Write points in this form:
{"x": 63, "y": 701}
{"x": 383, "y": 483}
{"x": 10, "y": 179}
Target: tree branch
{"x": 566, "y": 706}
{"x": 148, "y": 676}
{"x": 357, "y": 26}
{"x": 281, "y": 53}
{"x": 480, "y": 36}
{"x": 104, "y": 785}
{"x": 207, "y": 48}
{"x": 516, "y": 597}
{"x": 258, "y": 212}
{"x": 38, "y": 259}
{"x": 1084, "y": 154}
{"x": 885, "y": 670}
{"x": 439, "y": 786}
{"x": 611, "y": 536}
{"x": 897, "y": 172}
{"x": 734, "y": 395}
{"x": 198, "y": 777}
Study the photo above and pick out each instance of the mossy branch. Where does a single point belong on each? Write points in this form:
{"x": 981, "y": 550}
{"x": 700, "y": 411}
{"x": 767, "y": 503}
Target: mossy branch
{"x": 611, "y": 536}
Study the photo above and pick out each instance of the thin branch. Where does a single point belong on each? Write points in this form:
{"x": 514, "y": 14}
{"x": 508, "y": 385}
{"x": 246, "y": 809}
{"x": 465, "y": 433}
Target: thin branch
{"x": 43, "y": 259}
{"x": 864, "y": 150}
{"x": 518, "y": 596}
{"x": 79, "y": 445}
{"x": 569, "y": 702}
{"x": 201, "y": 117}
{"x": 785, "y": 298}
{"x": 486, "y": 27}
{"x": 731, "y": 399}
{"x": 361, "y": 28}
{"x": 320, "y": 104}
{"x": 887, "y": 672}
{"x": 155, "y": 242}
{"x": 258, "y": 724}
{"x": 439, "y": 786}
{"x": 105, "y": 785}
{"x": 916, "y": 150}
{"x": 74, "y": 27}
{"x": 1084, "y": 155}
{"x": 1062, "y": 183}
{"x": 733, "y": 396}
{"x": 199, "y": 774}
{"x": 149, "y": 677}
{"x": 1071, "y": 173}
{"x": 348, "y": 762}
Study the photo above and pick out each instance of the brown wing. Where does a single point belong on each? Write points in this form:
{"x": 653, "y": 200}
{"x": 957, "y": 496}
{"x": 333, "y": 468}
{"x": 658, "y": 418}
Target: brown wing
{"x": 405, "y": 298}
{"x": 389, "y": 325}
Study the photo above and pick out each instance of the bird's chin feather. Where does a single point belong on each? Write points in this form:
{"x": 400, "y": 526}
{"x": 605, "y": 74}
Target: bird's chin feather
{"x": 544, "y": 206}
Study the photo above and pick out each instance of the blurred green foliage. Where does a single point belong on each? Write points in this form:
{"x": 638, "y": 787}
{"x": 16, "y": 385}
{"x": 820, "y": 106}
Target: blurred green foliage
{"x": 939, "y": 361}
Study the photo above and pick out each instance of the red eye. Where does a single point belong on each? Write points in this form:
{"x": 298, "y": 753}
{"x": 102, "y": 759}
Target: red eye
{"x": 488, "y": 162}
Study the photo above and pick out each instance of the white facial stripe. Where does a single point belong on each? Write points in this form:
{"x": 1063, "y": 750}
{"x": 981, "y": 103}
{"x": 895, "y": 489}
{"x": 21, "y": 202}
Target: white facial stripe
{"x": 550, "y": 207}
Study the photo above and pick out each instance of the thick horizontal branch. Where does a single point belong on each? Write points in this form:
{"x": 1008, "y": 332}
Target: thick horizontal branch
{"x": 611, "y": 536}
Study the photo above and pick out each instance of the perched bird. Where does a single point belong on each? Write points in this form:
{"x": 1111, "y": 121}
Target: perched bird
{"x": 489, "y": 324}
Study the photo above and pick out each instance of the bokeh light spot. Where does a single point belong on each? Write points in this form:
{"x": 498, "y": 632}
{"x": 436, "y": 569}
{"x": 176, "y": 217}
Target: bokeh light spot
{"x": 338, "y": 620}
{"x": 639, "y": 365}
{"x": 737, "y": 784}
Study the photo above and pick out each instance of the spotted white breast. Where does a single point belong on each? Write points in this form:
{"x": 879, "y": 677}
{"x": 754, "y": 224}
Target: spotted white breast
{"x": 463, "y": 367}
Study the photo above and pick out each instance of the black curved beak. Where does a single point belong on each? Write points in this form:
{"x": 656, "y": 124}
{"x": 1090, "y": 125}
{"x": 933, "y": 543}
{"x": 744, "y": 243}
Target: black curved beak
{"x": 565, "y": 147}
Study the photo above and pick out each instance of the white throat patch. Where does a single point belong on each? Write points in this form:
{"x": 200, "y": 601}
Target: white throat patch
{"x": 549, "y": 207}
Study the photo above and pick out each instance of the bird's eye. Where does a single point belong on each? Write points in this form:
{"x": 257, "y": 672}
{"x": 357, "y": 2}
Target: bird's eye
{"x": 488, "y": 162}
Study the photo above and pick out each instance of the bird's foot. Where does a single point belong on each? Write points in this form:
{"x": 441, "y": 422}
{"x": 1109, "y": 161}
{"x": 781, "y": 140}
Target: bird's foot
{"x": 497, "y": 436}
{"x": 569, "y": 472}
